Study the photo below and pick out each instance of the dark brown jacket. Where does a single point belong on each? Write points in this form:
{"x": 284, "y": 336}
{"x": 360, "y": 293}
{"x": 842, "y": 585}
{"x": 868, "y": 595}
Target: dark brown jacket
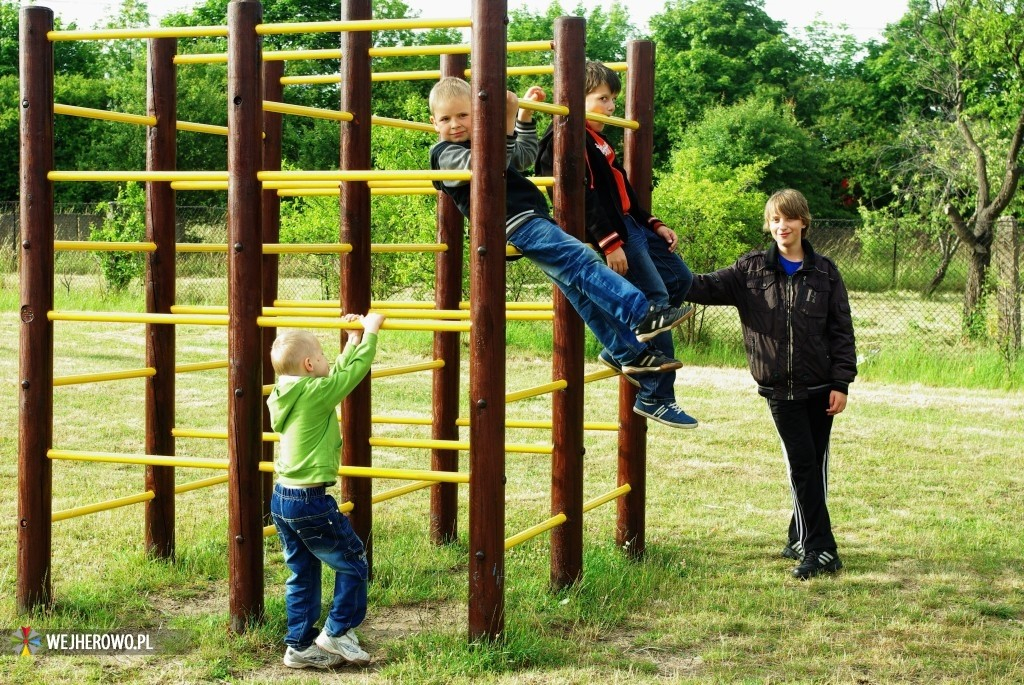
{"x": 797, "y": 330}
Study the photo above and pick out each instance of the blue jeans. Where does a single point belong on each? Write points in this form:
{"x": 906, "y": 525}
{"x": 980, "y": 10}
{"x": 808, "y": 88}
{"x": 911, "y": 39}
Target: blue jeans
{"x": 312, "y": 530}
{"x": 665, "y": 279}
{"x": 609, "y": 304}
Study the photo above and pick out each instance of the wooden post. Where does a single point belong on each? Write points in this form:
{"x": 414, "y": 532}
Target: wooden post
{"x": 245, "y": 371}
{"x": 567, "y": 364}
{"x": 444, "y": 497}
{"x": 639, "y": 144}
{"x": 487, "y": 313}
{"x": 355, "y": 266}
{"x": 271, "y": 205}
{"x": 161, "y": 155}
{"x": 35, "y": 357}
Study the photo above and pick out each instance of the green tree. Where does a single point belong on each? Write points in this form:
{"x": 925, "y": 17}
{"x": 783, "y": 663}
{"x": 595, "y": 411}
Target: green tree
{"x": 124, "y": 221}
{"x": 715, "y": 52}
{"x": 966, "y": 55}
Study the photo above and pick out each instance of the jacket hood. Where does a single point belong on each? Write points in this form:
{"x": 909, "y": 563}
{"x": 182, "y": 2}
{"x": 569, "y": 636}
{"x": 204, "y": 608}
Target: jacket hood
{"x": 284, "y": 398}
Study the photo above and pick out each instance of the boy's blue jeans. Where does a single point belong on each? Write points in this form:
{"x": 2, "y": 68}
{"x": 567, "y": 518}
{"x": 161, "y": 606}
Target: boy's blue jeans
{"x": 609, "y": 304}
{"x": 312, "y": 530}
{"x": 665, "y": 279}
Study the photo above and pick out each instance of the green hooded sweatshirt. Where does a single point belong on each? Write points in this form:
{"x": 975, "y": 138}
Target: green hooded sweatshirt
{"x": 302, "y": 410}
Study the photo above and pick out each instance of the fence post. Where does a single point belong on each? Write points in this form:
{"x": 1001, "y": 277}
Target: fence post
{"x": 1006, "y": 252}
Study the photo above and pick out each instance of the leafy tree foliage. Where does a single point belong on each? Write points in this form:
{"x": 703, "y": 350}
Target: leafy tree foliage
{"x": 124, "y": 221}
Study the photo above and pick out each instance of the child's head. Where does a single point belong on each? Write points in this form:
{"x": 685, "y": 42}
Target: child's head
{"x": 298, "y": 353}
{"x": 602, "y": 86}
{"x": 598, "y": 74}
{"x": 451, "y": 105}
{"x": 790, "y": 204}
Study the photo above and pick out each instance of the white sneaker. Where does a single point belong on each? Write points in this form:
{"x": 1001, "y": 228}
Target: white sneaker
{"x": 311, "y": 656}
{"x": 345, "y": 645}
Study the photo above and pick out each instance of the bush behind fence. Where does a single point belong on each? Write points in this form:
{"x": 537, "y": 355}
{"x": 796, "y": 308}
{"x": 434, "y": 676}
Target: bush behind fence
{"x": 893, "y": 297}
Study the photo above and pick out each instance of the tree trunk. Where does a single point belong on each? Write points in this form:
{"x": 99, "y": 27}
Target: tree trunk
{"x": 949, "y": 247}
{"x": 977, "y": 269}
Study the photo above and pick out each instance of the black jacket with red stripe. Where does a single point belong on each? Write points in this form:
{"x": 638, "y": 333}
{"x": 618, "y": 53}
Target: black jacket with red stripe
{"x": 606, "y": 226}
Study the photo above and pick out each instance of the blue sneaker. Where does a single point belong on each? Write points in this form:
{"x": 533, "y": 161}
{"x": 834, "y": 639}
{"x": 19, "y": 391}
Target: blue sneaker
{"x": 608, "y": 360}
{"x": 668, "y": 413}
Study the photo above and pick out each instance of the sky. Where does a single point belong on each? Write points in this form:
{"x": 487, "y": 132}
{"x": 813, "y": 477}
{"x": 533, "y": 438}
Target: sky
{"x": 864, "y": 18}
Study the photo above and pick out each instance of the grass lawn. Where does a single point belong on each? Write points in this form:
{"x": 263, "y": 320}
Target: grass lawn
{"x": 925, "y": 494}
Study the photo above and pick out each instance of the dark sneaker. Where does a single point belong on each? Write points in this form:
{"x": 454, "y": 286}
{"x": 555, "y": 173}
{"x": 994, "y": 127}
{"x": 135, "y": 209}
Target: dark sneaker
{"x": 608, "y": 360}
{"x": 793, "y": 550}
{"x": 651, "y": 361}
{"x": 661, "y": 319}
{"x": 311, "y": 657}
{"x": 816, "y": 562}
{"x": 667, "y": 413}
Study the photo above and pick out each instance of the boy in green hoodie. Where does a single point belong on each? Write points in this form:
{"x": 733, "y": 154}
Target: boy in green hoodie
{"x": 312, "y": 530}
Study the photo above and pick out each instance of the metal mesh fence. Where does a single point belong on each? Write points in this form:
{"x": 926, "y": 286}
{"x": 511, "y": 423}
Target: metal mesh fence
{"x": 895, "y": 295}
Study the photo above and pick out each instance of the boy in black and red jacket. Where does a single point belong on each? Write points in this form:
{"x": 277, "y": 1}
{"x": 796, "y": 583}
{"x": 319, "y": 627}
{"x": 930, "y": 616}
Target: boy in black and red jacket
{"x": 634, "y": 243}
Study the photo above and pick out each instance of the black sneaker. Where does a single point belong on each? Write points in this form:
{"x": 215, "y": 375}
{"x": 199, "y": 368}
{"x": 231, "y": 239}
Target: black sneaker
{"x": 606, "y": 358}
{"x": 661, "y": 319}
{"x": 651, "y": 361}
{"x": 815, "y": 562}
{"x": 793, "y": 550}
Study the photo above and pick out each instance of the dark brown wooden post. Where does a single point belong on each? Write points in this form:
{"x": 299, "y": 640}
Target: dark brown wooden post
{"x": 355, "y": 266}
{"x": 567, "y": 416}
{"x": 487, "y": 313}
{"x": 630, "y": 530}
{"x": 245, "y": 372}
{"x": 272, "y": 125}
{"x": 444, "y": 497}
{"x": 161, "y": 155}
{"x": 35, "y": 407}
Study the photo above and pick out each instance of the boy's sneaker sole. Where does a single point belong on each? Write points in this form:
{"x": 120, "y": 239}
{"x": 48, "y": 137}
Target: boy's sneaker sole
{"x": 614, "y": 366}
{"x": 648, "y": 363}
{"x": 668, "y": 324}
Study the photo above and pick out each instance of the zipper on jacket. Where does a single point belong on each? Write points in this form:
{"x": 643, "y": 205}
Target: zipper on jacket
{"x": 790, "y": 300}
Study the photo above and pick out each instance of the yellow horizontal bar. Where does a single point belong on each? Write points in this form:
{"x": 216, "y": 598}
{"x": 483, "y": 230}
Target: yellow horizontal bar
{"x": 306, "y": 248}
{"x": 108, "y": 376}
{"x": 152, "y": 32}
{"x": 102, "y": 506}
{"x": 392, "y": 51}
{"x": 361, "y": 25}
{"x": 199, "y": 185}
{"x": 363, "y": 175}
{"x": 600, "y": 375}
{"x": 334, "y": 192}
{"x": 401, "y": 123}
{"x": 197, "y": 484}
{"x": 302, "y": 110}
{"x": 509, "y": 423}
{"x": 104, "y": 115}
{"x": 607, "y": 497}
{"x": 292, "y": 55}
{"x": 304, "y": 322}
{"x": 206, "y": 434}
{"x": 398, "y": 492}
{"x": 391, "y": 474}
{"x": 614, "y": 121}
{"x": 201, "y": 128}
{"x": 407, "y": 368}
{"x": 202, "y": 58}
{"x": 140, "y": 317}
{"x": 141, "y": 176}
{"x": 374, "y": 304}
{"x": 519, "y": 306}
{"x": 533, "y": 392}
{"x": 199, "y": 366}
{"x": 390, "y": 248}
{"x": 534, "y": 531}
{"x": 460, "y": 445}
{"x": 101, "y": 246}
{"x": 310, "y": 79}
{"x": 545, "y": 107}
{"x": 147, "y": 459}
{"x": 429, "y": 74}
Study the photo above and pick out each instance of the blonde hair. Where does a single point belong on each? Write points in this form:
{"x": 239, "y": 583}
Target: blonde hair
{"x": 447, "y": 89}
{"x": 597, "y": 74}
{"x": 791, "y": 204}
{"x": 290, "y": 349}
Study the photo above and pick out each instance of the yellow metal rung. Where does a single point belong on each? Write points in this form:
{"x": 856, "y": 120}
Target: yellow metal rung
{"x": 534, "y": 531}
{"x": 102, "y": 506}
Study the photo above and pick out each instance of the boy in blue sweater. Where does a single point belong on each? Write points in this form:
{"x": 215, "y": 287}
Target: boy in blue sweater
{"x": 313, "y": 532}
{"x": 616, "y": 311}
